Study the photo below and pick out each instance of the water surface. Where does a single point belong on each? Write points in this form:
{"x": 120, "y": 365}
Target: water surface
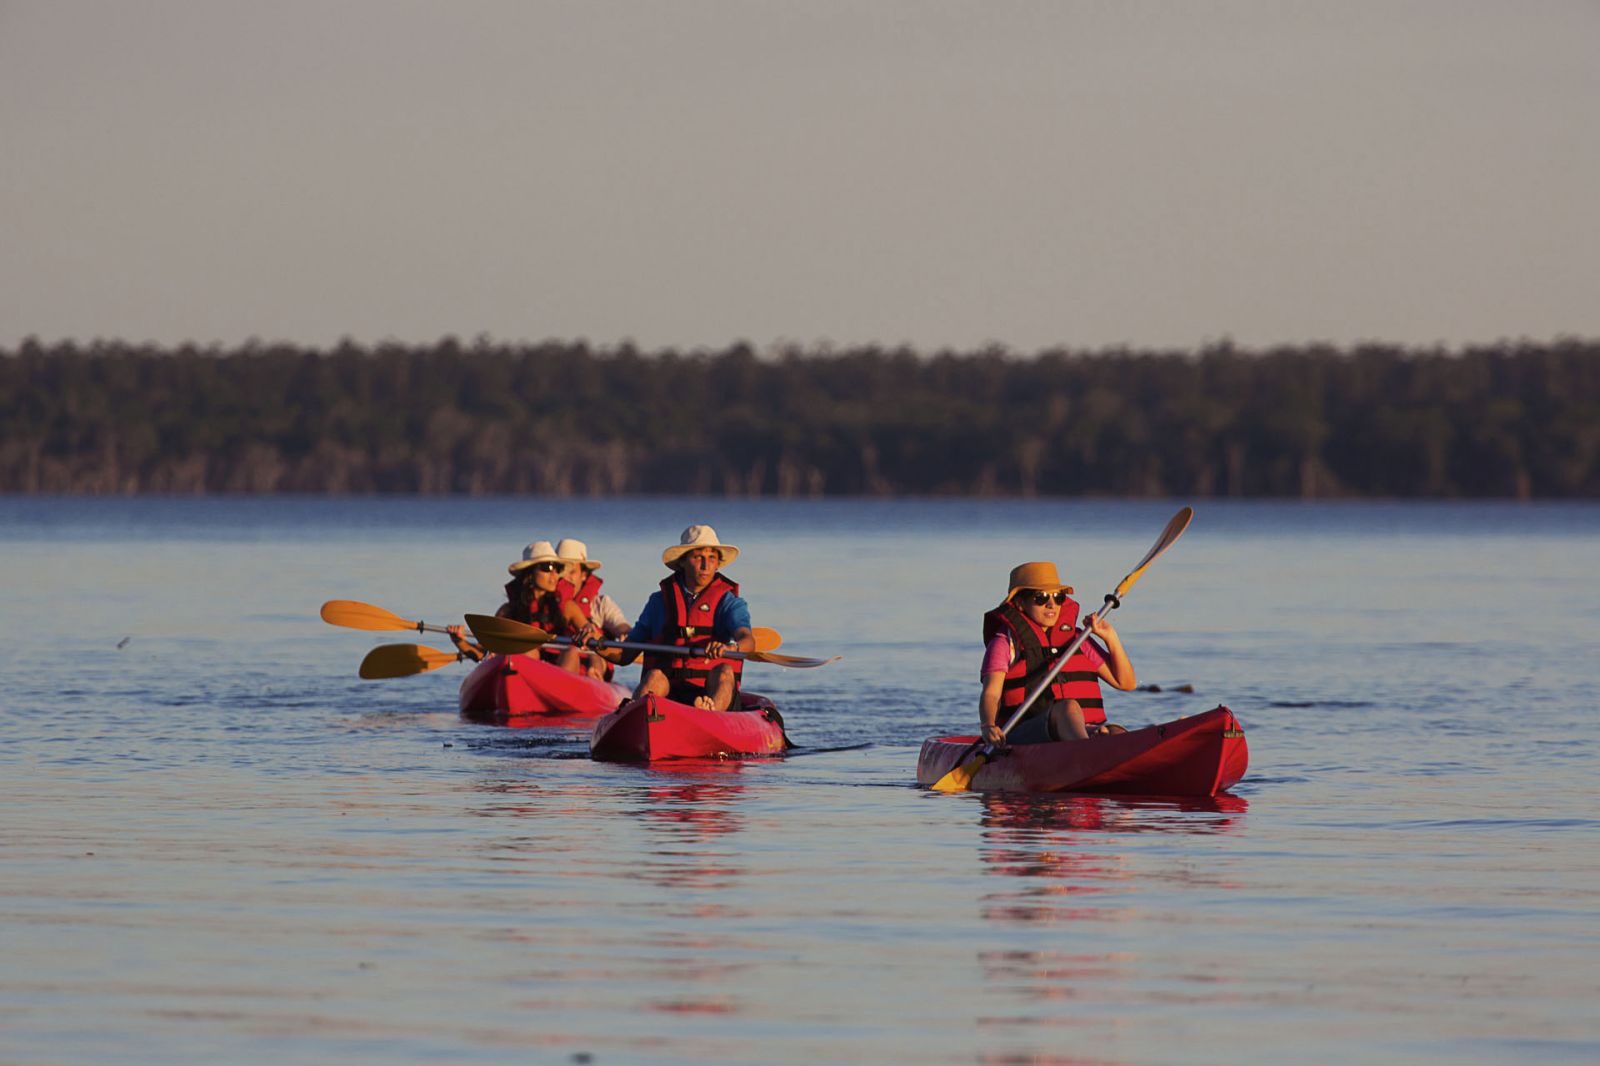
{"x": 220, "y": 845}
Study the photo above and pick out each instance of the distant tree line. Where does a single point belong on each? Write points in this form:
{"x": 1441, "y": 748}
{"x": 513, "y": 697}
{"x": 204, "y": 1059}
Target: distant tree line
{"x": 1508, "y": 420}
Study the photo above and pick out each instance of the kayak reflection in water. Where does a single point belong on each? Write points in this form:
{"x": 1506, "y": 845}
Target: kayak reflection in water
{"x": 696, "y": 607}
{"x": 1022, "y": 638}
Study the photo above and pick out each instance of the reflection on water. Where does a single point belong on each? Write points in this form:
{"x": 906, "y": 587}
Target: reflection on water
{"x": 1071, "y": 852}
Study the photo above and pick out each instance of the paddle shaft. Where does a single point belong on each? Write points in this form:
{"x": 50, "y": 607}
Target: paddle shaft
{"x": 666, "y": 649}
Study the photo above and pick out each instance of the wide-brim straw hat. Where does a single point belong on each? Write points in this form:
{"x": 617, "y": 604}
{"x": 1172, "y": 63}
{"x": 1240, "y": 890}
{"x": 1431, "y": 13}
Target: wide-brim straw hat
{"x": 576, "y": 551}
{"x": 539, "y": 551}
{"x": 699, "y": 537}
{"x": 1041, "y": 576}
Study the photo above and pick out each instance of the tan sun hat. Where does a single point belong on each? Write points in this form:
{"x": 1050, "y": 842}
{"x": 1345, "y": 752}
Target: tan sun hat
{"x": 576, "y": 551}
{"x": 1041, "y": 576}
{"x": 539, "y": 551}
{"x": 699, "y": 537}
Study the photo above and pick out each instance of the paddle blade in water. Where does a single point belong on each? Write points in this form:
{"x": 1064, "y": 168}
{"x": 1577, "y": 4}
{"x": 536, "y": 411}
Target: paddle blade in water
{"x": 403, "y": 660}
{"x": 960, "y": 779}
{"x": 356, "y": 615}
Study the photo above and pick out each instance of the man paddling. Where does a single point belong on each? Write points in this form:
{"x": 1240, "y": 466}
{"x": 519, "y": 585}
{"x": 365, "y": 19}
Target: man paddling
{"x": 699, "y": 609}
{"x": 581, "y": 585}
{"x": 1022, "y": 638}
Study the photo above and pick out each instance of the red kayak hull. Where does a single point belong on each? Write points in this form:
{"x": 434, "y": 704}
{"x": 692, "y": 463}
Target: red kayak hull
{"x": 525, "y": 690}
{"x": 652, "y": 728}
{"x": 1200, "y": 755}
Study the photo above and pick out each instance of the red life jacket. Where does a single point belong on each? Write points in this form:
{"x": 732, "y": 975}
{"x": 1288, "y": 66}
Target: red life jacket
{"x": 545, "y": 614}
{"x": 584, "y": 595}
{"x": 690, "y": 624}
{"x": 1037, "y": 649}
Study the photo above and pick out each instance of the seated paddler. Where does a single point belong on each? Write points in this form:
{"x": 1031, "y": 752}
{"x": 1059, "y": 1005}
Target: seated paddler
{"x": 602, "y": 617}
{"x": 1023, "y": 638}
{"x": 698, "y": 608}
{"x": 537, "y": 596}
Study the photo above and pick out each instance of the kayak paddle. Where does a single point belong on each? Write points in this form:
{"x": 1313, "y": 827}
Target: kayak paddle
{"x": 403, "y": 660}
{"x": 355, "y": 615}
{"x": 972, "y": 760}
{"x": 506, "y": 637}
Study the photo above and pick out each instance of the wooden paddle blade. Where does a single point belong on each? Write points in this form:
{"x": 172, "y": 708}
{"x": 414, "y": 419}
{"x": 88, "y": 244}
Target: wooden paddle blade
{"x": 1174, "y": 530}
{"x": 504, "y": 636}
{"x": 403, "y": 660}
{"x": 355, "y": 615}
{"x": 960, "y": 779}
{"x": 766, "y": 639}
{"x": 798, "y": 662}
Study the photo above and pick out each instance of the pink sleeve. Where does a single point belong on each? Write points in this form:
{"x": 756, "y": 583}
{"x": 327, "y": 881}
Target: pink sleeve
{"x": 997, "y": 655}
{"x": 1092, "y": 651}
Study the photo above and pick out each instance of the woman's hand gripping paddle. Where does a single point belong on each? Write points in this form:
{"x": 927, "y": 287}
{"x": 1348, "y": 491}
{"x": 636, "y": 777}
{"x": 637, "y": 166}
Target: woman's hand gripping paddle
{"x": 507, "y": 637}
{"x": 972, "y": 760}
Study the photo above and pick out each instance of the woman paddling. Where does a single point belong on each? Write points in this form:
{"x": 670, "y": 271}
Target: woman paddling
{"x": 1022, "y": 638}
{"x": 534, "y": 597}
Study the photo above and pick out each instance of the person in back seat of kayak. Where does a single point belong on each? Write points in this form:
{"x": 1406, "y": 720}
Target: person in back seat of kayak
{"x": 698, "y": 608}
{"x": 602, "y": 617}
{"x": 533, "y": 597}
{"x": 1022, "y": 639}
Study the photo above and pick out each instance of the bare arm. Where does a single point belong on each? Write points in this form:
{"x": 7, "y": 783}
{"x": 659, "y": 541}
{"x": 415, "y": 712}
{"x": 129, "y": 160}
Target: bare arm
{"x": 989, "y": 706}
{"x": 1116, "y": 671}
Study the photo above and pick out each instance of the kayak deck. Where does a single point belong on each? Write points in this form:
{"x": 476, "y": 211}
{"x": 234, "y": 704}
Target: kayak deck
{"x": 1199, "y": 755}
{"x": 651, "y": 728}
{"x": 526, "y": 690}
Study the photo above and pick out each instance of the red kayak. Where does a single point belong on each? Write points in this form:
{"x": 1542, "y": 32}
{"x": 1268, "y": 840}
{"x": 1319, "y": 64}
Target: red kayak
{"x": 526, "y": 690}
{"x": 1201, "y": 755}
{"x": 656, "y": 728}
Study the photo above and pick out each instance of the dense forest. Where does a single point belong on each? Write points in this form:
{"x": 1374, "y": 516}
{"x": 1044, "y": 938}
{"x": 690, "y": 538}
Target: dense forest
{"x": 1515, "y": 420}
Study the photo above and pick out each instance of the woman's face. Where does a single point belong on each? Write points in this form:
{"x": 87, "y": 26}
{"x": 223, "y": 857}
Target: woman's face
{"x": 542, "y": 577}
{"x": 1045, "y": 614}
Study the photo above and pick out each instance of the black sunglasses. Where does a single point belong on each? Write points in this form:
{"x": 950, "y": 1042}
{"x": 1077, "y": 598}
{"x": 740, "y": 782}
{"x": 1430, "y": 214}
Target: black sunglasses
{"x": 549, "y": 568}
{"x": 1042, "y": 598}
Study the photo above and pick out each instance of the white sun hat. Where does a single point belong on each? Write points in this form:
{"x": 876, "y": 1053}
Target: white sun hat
{"x": 539, "y": 551}
{"x": 699, "y": 537}
{"x": 576, "y": 551}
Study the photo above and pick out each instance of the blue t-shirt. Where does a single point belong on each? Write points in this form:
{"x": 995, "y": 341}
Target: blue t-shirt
{"x": 732, "y": 614}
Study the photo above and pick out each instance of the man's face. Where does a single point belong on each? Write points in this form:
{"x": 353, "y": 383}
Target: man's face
{"x": 700, "y": 566}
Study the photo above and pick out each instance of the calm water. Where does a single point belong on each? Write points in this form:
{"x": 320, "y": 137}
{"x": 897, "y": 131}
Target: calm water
{"x": 220, "y": 846}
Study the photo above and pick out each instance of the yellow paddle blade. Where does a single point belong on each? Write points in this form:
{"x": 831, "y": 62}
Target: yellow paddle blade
{"x": 799, "y": 662}
{"x": 766, "y": 639}
{"x": 403, "y": 660}
{"x": 960, "y": 779}
{"x": 1174, "y": 530}
{"x": 355, "y": 615}
{"x": 504, "y": 636}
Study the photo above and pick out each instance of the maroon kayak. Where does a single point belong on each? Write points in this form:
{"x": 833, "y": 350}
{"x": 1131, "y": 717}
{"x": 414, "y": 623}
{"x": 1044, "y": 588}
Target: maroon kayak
{"x": 526, "y": 690}
{"x": 1200, "y": 755}
{"x": 655, "y": 728}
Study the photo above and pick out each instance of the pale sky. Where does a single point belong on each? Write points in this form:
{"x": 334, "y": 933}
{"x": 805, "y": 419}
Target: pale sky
{"x": 692, "y": 172}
